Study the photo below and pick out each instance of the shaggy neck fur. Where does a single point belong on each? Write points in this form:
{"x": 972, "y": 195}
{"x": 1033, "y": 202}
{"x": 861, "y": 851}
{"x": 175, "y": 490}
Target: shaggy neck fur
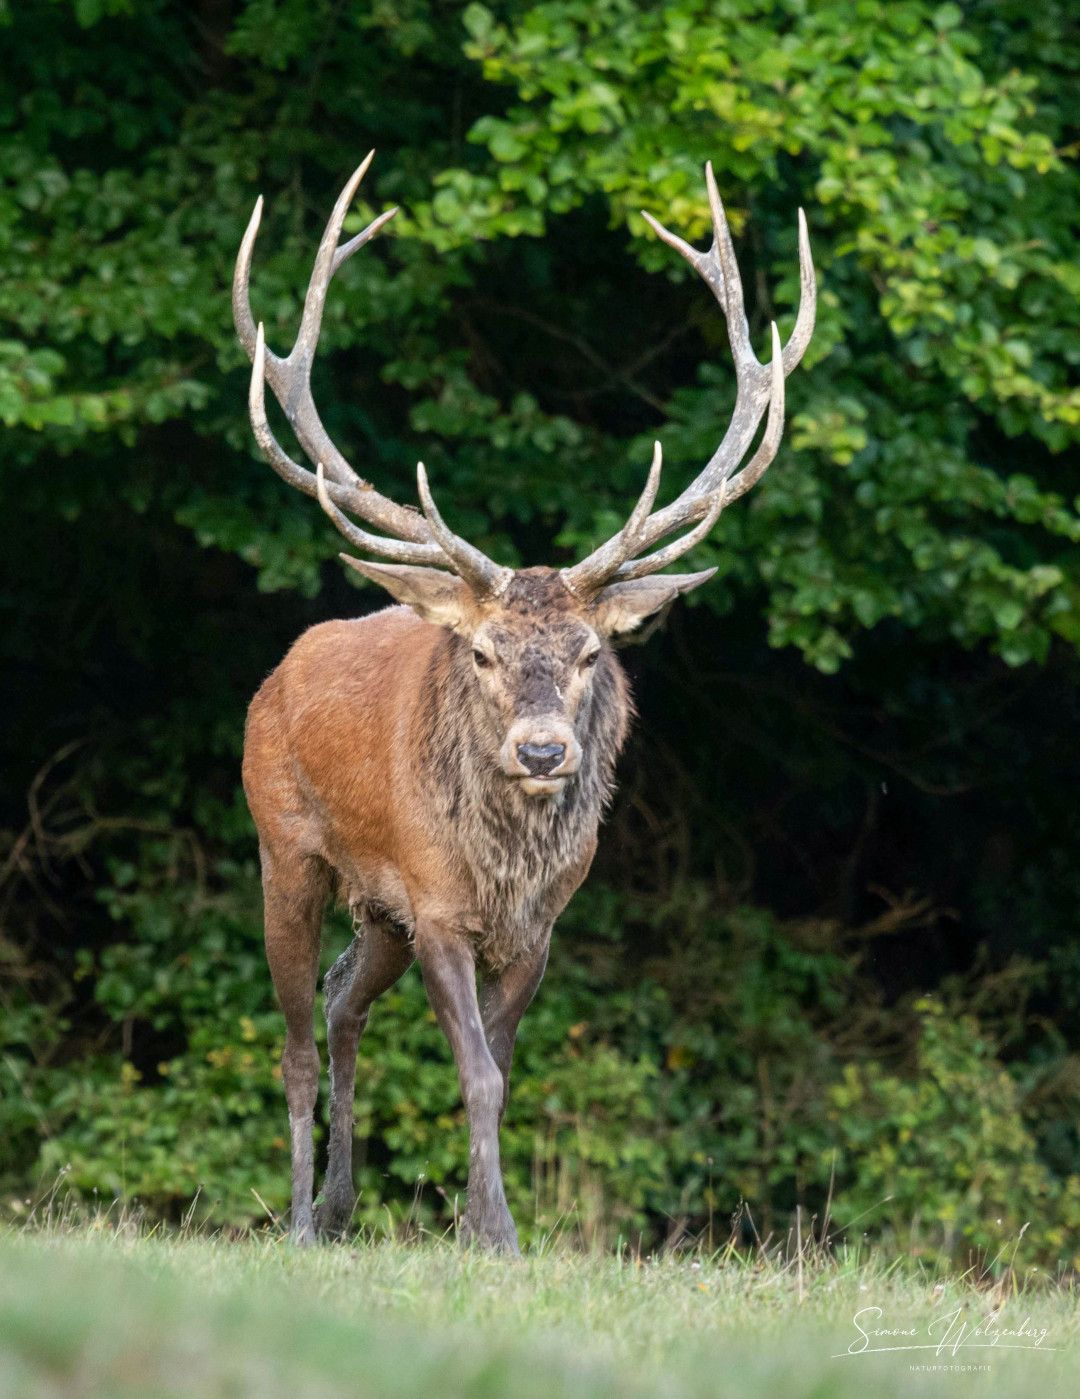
{"x": 518, "y": 849}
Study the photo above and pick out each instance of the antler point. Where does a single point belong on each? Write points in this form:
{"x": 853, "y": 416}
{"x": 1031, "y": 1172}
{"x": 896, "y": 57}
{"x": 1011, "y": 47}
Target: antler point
{"x": 320, "y": 489}
{"x": 804, "y": 235}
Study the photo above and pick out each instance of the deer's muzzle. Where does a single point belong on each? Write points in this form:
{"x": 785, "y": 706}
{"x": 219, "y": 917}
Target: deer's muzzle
{"x": 542, "y": 753}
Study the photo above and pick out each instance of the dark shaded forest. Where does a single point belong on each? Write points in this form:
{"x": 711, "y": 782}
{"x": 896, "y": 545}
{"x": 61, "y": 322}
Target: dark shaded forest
{"x": 830, "y": 943}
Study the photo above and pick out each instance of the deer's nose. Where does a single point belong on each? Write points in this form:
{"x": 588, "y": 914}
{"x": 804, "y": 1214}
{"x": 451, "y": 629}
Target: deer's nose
{"x": 540, "y": 758}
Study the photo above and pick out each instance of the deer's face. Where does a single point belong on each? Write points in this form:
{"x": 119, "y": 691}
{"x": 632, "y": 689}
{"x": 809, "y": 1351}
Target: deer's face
{"x": 537, "y": 656}
{"x": 534, "y": 662}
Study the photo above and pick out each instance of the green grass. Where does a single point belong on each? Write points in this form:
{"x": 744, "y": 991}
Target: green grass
{"x": 103, "y": 1311}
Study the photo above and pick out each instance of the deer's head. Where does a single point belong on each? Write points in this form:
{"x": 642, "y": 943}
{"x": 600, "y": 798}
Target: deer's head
{"x": 535, "y": 636}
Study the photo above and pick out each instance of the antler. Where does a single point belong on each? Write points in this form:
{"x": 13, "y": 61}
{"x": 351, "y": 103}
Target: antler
{"x": 757, "y": 387}
{"x": 420, "y": 539}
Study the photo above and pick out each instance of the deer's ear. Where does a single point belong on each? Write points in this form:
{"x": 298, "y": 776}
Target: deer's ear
{"x": 621, "y": 607}
{"x": 436, "y": 596}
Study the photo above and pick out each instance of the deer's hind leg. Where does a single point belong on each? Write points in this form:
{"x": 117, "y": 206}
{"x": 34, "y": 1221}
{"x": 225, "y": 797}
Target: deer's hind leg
{"x": 295, "y": 890}
{"x": 375, "y": 959}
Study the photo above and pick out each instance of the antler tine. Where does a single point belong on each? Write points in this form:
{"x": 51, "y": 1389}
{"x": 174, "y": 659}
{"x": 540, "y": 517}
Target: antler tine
{"x": 481, "y": 573}
{"x": 807, "y": 313}
{"x": 243, "y": 319}
{"x": 647, "y": 499}
{"x": 279, "y": 459}
{"x": 652, "y": 563}
{"x": 730, "y": 294}
{"x": 755, "y": 469}
{"x": 609, "y": 557}
{"x": 364, "y": 236}
{"x": 400, "y": 551}
{"x": 757, "y": 387}
{"x": 397, "y": 550}
{"x": 290, "y": 377}
{"x": 730, "y": 489}
{"x": 681, "y": 246}
{"x": 326, "y": 264}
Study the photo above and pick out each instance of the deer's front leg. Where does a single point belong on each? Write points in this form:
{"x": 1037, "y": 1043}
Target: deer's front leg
{"x": 449, "y": 969}
{"x": 506, "y": 997}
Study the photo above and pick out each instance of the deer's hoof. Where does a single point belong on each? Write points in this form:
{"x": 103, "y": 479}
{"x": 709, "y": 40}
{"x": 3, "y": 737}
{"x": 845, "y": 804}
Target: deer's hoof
{"x": 302, "y": 1233}
{"x": 493, "y": 1236}
{"x": 333, "y": 1214}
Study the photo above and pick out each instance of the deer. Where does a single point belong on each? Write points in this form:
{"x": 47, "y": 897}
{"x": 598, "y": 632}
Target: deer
{"x": 441, "y": 766}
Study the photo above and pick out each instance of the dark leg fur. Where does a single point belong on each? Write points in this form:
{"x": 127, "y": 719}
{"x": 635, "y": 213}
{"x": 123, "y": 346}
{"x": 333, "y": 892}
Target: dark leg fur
{"x": 370, "y": 965}
{"x": 506, "y": 997}
{"x": 294, "y": 895}
{"x": 449, "y": 969}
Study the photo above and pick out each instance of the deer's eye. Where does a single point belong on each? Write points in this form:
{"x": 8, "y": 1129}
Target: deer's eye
{"x": 590, "y": 660}
{"x": 482, "y": 659}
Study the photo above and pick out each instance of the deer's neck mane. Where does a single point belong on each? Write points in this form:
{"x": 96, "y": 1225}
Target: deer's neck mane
{"x": 518, "y": 849}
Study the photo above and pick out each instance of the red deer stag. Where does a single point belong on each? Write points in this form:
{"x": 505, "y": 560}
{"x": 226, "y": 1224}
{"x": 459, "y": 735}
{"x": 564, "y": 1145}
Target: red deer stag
{"x": 443, "y": 765}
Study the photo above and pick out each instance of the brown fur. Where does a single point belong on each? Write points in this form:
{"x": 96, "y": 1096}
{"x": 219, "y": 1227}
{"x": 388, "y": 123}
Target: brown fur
{"x": 375, "y": 763}
{"x": 368, "y": 749}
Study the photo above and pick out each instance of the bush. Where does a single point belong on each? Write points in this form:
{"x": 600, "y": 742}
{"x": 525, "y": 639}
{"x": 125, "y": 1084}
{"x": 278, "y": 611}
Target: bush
{"x": 943, "y": 1154}
{"x": 653, "y": 1097}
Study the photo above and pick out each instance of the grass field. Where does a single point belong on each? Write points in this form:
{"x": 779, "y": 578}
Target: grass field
{"x": 98, "y": 1311}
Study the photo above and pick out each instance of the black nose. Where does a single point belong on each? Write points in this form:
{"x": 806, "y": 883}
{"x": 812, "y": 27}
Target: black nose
{"x": 541, "y": 758}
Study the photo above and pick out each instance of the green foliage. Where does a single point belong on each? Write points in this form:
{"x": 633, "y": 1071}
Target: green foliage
{"x": 938, "y": 210}
{"x": 940, "y": 203}
{"x": 625, "y": 1112}
{"x": 949, "y": 1146}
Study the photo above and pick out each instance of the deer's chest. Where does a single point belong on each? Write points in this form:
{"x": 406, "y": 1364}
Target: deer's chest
{"x": 523, "y": 871}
